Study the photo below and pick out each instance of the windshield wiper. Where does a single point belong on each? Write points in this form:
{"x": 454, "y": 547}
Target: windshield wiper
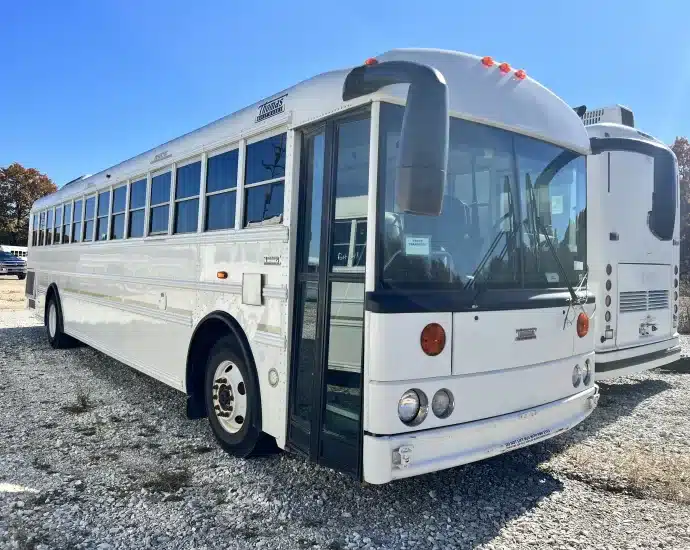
{"x": 549, "y": 243}
{"x": 497, "y": 238}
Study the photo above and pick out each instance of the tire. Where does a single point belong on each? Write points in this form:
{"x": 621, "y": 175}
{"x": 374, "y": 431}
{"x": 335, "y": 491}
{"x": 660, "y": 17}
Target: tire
{"x": 21, "y": 277}
{"x": 54, "y": 327}
{"x": 233, "y": 402}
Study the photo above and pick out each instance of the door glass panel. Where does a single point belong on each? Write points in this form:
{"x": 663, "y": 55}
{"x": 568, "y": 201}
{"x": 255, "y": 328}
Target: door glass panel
{"x": 344, "y": 372}
{"x": 316, "y": 153}
{"x": 351, "y": 193}
{"x": 306, "y": 351}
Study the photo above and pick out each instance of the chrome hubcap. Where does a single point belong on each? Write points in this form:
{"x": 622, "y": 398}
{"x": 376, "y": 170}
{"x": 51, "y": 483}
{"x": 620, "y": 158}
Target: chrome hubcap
{"x": 229, "y": 397}
{"x": 52, "y": 320}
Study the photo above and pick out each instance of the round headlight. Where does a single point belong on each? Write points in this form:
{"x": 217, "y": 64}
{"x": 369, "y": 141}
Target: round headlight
{"x": 587, "y": 378}
{"x": 412, "y": 407}
{"x": 577, "y": 376}
{"x": 442, "y": 403}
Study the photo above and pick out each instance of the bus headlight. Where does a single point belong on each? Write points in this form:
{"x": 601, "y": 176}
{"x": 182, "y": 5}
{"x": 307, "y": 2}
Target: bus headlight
{"x": 587, "y": 376}
{"x": 577, "y": 376}
{"x": 413, "y": 407}
{"x": 442, "y": 403}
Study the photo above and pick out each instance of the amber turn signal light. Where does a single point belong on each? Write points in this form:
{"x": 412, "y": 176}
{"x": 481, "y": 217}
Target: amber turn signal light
{"x": 433, "y": 339}
{"x": 582, "y": 325}
{"x": 222, "y": 274}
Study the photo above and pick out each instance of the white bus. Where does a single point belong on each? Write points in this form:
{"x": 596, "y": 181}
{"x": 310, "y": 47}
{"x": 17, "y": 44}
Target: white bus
{"x": 15, "y": 250}
{"x": 634, "y": 244}
{"x": 381, "y": 268}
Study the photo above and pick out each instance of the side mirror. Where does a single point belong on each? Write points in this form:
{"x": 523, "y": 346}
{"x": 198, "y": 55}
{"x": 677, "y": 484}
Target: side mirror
{"x": 423, "y": 161}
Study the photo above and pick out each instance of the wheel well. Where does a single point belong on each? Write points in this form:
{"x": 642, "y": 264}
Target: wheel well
{"x": 212, "y": 328}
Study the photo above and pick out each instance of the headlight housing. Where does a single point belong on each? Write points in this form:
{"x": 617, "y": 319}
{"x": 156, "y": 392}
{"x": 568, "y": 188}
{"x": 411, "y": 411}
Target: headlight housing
{"x": 587, "y": 376}
{"x": 443, "y": 403}
{"x": 413, "y": 407}
{"x": 577, "y": 376}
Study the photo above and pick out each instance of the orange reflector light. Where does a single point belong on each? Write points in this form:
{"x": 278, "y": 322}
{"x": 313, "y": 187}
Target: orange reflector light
{"x": 222, "y": 274}
{"x": 433, "y": 339}
{"x": 582, "y": 325}
{"x": 504, "y": 68}
{"x": 520, "y": 74}
{"x": 371, "y": 61}
{"x": 488, "y": 61}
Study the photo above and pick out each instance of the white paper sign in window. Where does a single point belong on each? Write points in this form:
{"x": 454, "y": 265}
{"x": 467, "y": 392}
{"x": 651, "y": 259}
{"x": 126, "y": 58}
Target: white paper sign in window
{"x": 557, "y": 204}
{"x": 417, "y": 246}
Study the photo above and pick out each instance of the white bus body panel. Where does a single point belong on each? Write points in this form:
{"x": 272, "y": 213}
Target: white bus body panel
{"x": 642, "y": 277}
{"x": 140, "y": 300}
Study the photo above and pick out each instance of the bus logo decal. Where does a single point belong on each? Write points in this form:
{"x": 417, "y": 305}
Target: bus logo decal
{"x": 525, "y": 334}
{"x": 161, "y": 156}
{"x": 271, "y": 260}
{"x": 271, "y": 108}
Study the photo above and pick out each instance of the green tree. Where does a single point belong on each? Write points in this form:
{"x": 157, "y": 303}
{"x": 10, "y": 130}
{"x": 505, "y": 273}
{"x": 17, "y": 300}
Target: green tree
{"x": 19, "y": 188}
{"x": 681, "y": 147}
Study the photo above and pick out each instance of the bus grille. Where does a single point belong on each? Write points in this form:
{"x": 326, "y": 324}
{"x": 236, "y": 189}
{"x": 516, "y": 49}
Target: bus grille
{"x": 641, "y": 300}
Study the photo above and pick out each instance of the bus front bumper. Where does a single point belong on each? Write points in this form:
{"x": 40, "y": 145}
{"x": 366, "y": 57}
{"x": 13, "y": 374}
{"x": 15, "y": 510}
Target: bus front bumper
{"x": 392, "y": 457}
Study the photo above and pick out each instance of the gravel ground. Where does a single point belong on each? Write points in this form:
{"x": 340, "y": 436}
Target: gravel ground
{"x": 95, "y": 455}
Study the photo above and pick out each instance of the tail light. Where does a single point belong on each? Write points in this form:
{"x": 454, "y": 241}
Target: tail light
{"x": 433, "y": 339}
{"x": 582, "y": 325}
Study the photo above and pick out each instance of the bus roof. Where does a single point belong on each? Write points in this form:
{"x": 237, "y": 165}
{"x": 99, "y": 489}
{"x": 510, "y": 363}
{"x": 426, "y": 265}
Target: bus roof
{"x": 476, "y": 92}
{"x": 615, "y": 130}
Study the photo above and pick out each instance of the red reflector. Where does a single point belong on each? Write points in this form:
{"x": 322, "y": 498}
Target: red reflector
{"x": 582, "y": 325}
{"x": 487, "y": 61}
{"x": 433, "y": 339}
{"x": 504, "y": 68}
{"x": 371, "y": 61}
{"x": 520, "y": 74}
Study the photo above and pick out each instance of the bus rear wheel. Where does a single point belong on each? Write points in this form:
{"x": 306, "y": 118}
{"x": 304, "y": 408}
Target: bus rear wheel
{"x": 53, "y": 321}
{"x": 233, "y": 402}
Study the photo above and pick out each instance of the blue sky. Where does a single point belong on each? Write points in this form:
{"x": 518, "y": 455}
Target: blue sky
{"x": 86, "y": 84}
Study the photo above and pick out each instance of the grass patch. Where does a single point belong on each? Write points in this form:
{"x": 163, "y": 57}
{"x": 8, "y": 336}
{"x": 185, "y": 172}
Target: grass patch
{"x": 628, "y": 470}
{"x": 168, "y": 481}
{"x": 82, "y": 403}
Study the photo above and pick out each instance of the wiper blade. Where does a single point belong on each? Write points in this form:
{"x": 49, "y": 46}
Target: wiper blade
{"x": 549, "y": 242}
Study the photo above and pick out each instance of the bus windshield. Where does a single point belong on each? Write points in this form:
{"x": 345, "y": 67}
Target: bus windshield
{"x": 506, "y": 212}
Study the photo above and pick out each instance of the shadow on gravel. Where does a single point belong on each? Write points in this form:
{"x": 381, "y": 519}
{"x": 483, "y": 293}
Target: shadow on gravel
{"x": 682, "y": 366}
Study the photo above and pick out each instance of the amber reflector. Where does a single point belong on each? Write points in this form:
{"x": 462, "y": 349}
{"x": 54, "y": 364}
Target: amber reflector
{"x": 504, "y": 68}
{"x": 371, "y": 61}
{"x": 487, "y": 61}
{"x": 222, "y": 274}
{"x": 433, "y": 339}
{"x": 582, "y": 325}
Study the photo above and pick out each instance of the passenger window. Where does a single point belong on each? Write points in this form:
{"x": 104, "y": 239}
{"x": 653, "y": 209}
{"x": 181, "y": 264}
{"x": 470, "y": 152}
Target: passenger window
{"x": 49, "y": 227}
{"x": 137, "y": 208}
{"x": 187, "y": 185}
{"x": 34, "y": 237}
{"x": 102, "y": 221}
{"x": 117, "y": 226}
{"x": 76, "y": 226}
{"x": 265, "y": 181}
{"x": 662, "y": 216}
{"x": 160, "y": 204}
{"x": 57, "y": 235}
{"x": 67, "y": 219}
{"x": 89, "y": 213}
{"x": 221, "y": 191}
{"x": 42, "y": 229}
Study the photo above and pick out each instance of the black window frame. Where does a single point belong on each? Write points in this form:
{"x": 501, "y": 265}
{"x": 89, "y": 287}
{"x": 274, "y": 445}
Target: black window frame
{"x": 143, "y": 208}
{"x": 57, "y": 226}
{"x": 78, "y": 224}
{"x": 250, "y": 185}
{"x": 159, "y": 205}
{"x": 189, "y": 199}
{"x": 224, "y": 193}
{"x": 67, "y": 225}
{"x": 102, "y": 218}
{"x": 92, "y": 220}
{"x": 118, "y": 214}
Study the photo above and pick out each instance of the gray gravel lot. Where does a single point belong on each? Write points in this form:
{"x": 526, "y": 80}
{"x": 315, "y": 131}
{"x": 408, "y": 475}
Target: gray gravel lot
{"x": 95, "y": 455}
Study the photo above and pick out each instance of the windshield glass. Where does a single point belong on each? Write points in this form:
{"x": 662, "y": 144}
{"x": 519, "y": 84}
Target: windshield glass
{"x": 506, "y": 197}
{"x": 7, "y": 256}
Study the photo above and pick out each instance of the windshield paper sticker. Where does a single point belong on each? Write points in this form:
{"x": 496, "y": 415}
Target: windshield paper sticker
{"x": 557, "y": 204}
{"x": 578, "y": 266}
{"x": 417, "y": 246}
{"x": 552, "y": 277}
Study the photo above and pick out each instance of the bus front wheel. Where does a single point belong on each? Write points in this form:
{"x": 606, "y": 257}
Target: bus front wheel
{"x": 233, "y": 402}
